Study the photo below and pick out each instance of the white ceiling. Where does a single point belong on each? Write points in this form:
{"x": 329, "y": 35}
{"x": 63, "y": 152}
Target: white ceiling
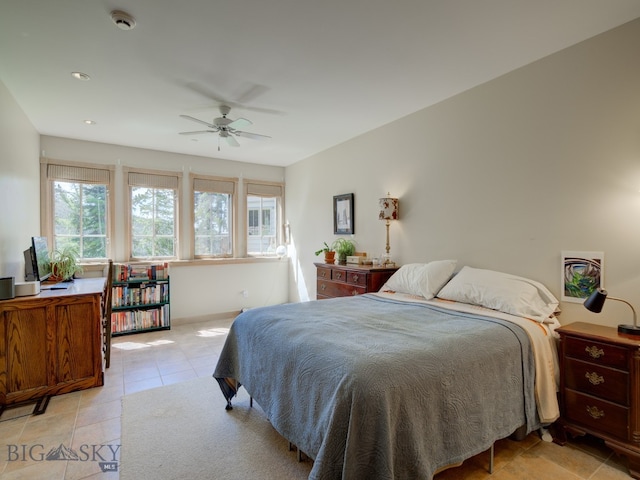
{"x": 310, "y": 74}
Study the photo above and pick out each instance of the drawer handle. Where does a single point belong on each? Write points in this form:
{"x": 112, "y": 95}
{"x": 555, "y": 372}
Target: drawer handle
{"x": 595, "y": 413}
{"x": 594, "y": 352}
{"x": 355, "y": 278}
{"x": 323, "y": 274}
{"x": 338, "y": 275}
{"x": 323, "y": 287}
{"x": 594, "y": 378}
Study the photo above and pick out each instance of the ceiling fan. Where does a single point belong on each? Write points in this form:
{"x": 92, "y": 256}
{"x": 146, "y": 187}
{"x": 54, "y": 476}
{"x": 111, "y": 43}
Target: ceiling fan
{"x": 225, "y": 128}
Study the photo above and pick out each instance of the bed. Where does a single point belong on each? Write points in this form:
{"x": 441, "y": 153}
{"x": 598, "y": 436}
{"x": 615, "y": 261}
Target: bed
{"x": 403, "y": 382}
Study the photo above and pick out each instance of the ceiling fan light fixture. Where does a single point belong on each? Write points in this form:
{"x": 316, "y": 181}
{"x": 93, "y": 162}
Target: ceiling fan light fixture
{"x": 123, "y": 20}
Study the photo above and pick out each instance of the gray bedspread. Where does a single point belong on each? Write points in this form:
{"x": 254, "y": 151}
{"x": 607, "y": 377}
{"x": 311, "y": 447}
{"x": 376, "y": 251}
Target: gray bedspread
{"x": 372, "y": 388}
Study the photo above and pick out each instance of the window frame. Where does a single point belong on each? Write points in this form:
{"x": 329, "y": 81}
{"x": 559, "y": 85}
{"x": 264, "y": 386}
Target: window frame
{"x": 74, "y": 172}
{"x": 257, "y": 188}
{"x": 231, "y": 184}
{"x": 136, "y": 177}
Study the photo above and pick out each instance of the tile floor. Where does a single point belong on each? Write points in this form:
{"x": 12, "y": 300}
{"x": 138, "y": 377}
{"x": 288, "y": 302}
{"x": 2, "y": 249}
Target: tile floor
{"x": 88, "y": 422}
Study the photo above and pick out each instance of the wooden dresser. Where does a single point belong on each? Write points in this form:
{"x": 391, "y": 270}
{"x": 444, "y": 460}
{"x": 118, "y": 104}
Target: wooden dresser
{"x": 335, "y": 280}
{"x": 51, "y": 343}
{"x": 600, "y": 388}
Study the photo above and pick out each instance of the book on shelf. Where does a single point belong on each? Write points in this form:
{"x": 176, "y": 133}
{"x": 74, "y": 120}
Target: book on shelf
{"x": 142, "y": 294}
{"x": 134, "y": 272}
{"x": 133, "y": 320}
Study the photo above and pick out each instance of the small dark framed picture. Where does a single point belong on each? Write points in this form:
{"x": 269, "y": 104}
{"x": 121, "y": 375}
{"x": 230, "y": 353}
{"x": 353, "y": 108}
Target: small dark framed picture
{"x": 343, "y": 214}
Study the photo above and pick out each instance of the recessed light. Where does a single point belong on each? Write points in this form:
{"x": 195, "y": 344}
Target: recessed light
{"x": 89, "y": 122}
{"x": 80, "y": 76}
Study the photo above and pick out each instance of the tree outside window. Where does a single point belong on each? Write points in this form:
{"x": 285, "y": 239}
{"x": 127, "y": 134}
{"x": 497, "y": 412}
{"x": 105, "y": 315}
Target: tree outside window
{"x": 80, "y": 218}
{"x": 212, "y": 224}
{"x": 153, "y": 215}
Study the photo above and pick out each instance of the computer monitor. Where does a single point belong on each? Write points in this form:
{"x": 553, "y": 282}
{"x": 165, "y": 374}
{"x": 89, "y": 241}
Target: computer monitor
{"x": 40, "y": 260}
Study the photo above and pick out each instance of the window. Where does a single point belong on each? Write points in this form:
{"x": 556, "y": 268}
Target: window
{"x": 153, "y": 215}
{"x": 263, "y": 217}
{"x": 213, "y": 206}
{"x": 77, "y": 198}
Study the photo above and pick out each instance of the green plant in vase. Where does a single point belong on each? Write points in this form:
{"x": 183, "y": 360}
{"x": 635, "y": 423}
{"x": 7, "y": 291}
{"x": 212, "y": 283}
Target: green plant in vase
{"x": 343, "y": 248}
{"x": 64, "y": 264}
{"x": 329, "y": 253}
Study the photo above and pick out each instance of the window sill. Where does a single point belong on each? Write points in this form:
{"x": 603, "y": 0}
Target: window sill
{"x": 221, "y": 261}
{"x": 96, "y": 269}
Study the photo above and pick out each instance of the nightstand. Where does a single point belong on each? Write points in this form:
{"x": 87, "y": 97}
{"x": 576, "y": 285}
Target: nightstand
{"x": 600, "y": 388}
{"x": 335, "y": 280}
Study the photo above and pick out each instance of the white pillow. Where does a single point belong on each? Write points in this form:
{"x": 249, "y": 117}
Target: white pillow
{"x": 503, "y": 292}
{"x": 422, "y": 279}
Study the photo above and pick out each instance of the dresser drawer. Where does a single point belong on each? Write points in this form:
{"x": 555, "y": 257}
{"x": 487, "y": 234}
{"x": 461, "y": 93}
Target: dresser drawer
{"x": 357, "y": 278}
{"x": 597, "y": 380}
{"x": 597, "y": 352}
{"x": 339, "y": 275}
{"x": 324, "y": 273}
{"x": 336, "y": 289}
{"x": 600, "y": 415}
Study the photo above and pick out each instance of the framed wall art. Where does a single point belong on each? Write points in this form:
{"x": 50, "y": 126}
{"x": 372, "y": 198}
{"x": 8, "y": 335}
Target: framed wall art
{"x": 582, "y": 273}
{"x": 343, "y": 214}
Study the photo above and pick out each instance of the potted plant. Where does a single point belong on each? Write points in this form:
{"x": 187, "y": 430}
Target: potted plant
{"x": 343, "y": 248}
{"x": 64, "y": 264}
{"x": 329, "y": 253}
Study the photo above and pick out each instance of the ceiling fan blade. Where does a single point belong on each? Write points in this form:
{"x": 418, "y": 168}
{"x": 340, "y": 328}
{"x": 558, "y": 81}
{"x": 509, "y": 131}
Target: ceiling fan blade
{"x": 254, "y": 136}
{"x": 210, "y": 125}
{"x": 239, "y": 123}
{"x": 197, "y": 132}
{"x": 231, "y": 140}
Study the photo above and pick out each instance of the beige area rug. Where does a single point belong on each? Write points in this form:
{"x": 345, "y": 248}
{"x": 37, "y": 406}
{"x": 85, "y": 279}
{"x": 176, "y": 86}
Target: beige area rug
{"x": 183, "y": 431}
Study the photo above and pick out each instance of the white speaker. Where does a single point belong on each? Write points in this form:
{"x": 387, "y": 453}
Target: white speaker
{"x": 22, "y": 289}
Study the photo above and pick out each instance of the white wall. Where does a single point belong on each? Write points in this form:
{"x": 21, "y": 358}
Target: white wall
{"x": 504, "y": 176}
{"x": 198, "y": 290}
{"x": 19, "y": 185}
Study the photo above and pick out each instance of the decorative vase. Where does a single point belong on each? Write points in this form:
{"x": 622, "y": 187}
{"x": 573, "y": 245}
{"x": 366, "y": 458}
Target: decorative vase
{"x": 329, "y": 257}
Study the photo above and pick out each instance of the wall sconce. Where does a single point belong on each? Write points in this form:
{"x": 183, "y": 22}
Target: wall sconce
{"x": 595, "y": 302}
{"x": 388, "y": 212}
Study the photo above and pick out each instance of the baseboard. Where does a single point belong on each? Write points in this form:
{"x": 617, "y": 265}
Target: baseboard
{"x": 205, "y": 318}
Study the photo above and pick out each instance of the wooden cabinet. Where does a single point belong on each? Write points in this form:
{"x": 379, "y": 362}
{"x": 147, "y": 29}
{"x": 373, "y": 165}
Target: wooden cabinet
{"x": 347, "y": 280}
{"x": 600, "y": 388}
{"x": 51, "y": 343}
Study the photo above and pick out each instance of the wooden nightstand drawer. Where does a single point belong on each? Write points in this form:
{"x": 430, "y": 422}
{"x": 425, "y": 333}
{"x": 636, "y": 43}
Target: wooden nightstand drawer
{"x": 603, "y": 382}
{"x": 603, "y": 416}
{"x": 597, "y": 352}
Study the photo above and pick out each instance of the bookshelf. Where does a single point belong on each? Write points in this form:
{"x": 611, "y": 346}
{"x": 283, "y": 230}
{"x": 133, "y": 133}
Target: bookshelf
{"x": 140, "y": 298}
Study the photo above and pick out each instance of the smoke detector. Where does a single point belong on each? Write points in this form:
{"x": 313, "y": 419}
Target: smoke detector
{"x": 123, "y": 20}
